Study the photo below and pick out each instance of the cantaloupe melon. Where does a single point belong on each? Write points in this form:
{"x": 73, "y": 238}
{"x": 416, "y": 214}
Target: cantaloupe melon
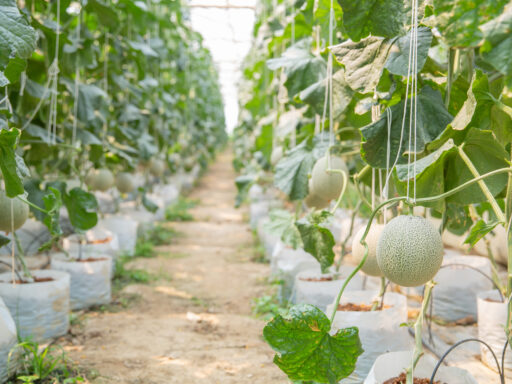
{"x": 328, "y": 185}
{"x": 156, "y": 167}
{"x": 103, "y": 180}
{"x": 19, "y": 209}
{"x": 370, "y": 267}
{"x": 409, "y": 251}
{"x": 277, "y": 154}
{"x": 124, "y": 182}
{"x": 313, "y": 201}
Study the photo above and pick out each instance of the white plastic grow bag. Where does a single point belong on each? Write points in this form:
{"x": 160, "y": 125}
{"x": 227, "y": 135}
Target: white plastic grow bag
{"x": 257, "y": 211}
{"x": 31, "y": 235}
{"x": 140, "y": 214}
{"x": 167, "y": 192}
{"x": 309, "y": 289}
{"x": 390, "y": 365}
{"x": 492, "y": 319}
{"x": 39, "y": 310}
{"x": 8, "y": 341}
{"x": 379, "y": 331}
{"x": 126, "y": 230}
{"x": 267, "y": 239}
{"x": 98, "y": 241}
{"x": 454, "y": 295}
{"x": 90, "y": 280}
{"x": 286, "y": 263}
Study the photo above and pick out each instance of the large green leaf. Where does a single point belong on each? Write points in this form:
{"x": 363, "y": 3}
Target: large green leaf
{"x": 432, "y": 119}
{"x": 363, "y": 61}
{"x": 498, "y": 42}
{"x": 291, "y": 172}
{"x": 459, "y": 20}
{"x": 106, "y": 14}
{"x": 301, "y": 67}
{"x": 12, "y": 166}
{"x": 322, "y": 17}
{"x": 17, "y": 37}
{"x": 12, "y": 71}
{"x": 317, "y": 241}
{"x": 306, "y": 350}
{"x": 282, "y": 224}
{"x": 376, "y": 17}
{"x": 486, "y": 154}
{"x": 82, "y": 208}
{"x": 398, "y": 59}
{"x": 342, "y": 94}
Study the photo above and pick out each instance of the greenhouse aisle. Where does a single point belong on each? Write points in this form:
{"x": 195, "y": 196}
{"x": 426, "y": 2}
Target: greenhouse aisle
{"x": 194, "y": 324}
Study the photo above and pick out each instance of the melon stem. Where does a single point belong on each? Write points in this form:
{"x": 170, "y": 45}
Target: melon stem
{"x": 418, "y": 327}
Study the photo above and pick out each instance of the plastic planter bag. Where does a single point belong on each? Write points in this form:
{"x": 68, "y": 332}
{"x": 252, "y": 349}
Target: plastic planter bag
{"x": 492, "y": 318}
{"x": 140, "y": 214}
{"x": 168, "y": 193}
{"x": 257, "y": 211}
{"x": 267, "y": 239}
{"x": 97, "y": 241}
{"x": 320, "y": 289}
{"x": 286, "y": 264}
{"x": 390, "y": 365}
{"x": 454, "y": 295}
{"x": 8, "y": 341}
{"x": 379, "y": 331}
{"x": 126, "y": 230}
{"x": 40, "y": 310}
{"x": 90, "y": 280}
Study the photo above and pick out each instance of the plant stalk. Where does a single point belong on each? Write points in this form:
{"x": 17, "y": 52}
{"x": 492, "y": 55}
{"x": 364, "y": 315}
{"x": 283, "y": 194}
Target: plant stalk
{"x": 418, "y": 327}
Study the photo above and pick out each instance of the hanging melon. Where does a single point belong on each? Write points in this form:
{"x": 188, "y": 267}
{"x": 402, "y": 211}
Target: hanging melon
{"x": 20, "y": 211}
{"x": 328, "y": 185}
{"x": 370, "y": 267}
{"x": 124, "y": 182}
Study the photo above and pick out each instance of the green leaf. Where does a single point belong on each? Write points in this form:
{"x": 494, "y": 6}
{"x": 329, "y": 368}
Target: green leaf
{"x": 301, "y": 67}
{"x": 398, "y": 59}
{"x": 498, "y": 42}
{"x": 291, "y": 172}
{"x": 432, "y": 119}
{"x": 342, "y": 94}
{"x": 376, "y": 17}
{"x": 486, "y": 154}
{"x": 322, "y": 16}
{"x": 12, "y": 72}
{"x": 479, "y": 230}
{"x": 306, "y": 350}
{"x": 459, "y": 20}
{"x": 82, "y": 208}
{"x": 4, "y": 240}
{"x": 52, "y": 202}
{"x": 317, "y": 241}
{"x": 147, "y": 203}
{"x": 363, "y": 61}
{"x": 12, "y": 166}
{"x": 243, "y": 184}
{"x": 282, "y": 224}
{"x": 17, "y": 37}
{"x": 106, "y": 14}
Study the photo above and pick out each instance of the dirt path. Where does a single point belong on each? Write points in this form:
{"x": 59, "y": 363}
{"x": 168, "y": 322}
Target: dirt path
{"x": 194, "y": 324}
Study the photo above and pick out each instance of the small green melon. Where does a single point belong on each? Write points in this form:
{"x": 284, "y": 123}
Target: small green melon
{"x": 124, "y": 182}
{"x": 103, "y": 180}
{"x": 156, "y": 167}
{"x": 409, "y": 251}
{"x": 19, "y": 209}
{"x": 328, "y": 185}
{"x": 370, "y": 267}
{"x": 90, "y": 179}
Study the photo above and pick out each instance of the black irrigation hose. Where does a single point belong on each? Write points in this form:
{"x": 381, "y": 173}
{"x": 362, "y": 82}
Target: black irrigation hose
{"x": 501, "y": 374}
{"x": 503, "y": 359}
{"x": 476, "y": 270}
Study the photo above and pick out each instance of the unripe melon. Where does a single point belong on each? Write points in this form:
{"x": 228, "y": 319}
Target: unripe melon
{"x": 189, "y": 163}
{"x": 156, "y": 167}
{"x": 124, "y": 182}
{"x": 103, "y": 180}
{"x": 370, "y": 266}
{"x": 409, "y": 251}
{"x": 313, "y": 201}
{"x": 90, "y": 179}
{"x": 277, "y": 154}
{"x": 19, "y": 209}
{"x": 328, "y": 185}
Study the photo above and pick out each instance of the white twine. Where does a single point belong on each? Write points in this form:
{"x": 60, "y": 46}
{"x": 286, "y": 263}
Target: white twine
{"x": 13, "y": 246}
{"x": 53, "y": 73}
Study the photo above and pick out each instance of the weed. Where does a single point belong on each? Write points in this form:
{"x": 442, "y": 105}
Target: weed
{"x": 42, "y": 365}
{"x": 125, "y": 276}
{"x": 268, "y": 306}
{"x": 161, "y": 235}
{"x": 179, "y": 211}
{"x": 144, "y": 248}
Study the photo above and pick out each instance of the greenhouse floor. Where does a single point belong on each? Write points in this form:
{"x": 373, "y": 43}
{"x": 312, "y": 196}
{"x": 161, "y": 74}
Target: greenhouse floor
{"x": 194, "y": 323}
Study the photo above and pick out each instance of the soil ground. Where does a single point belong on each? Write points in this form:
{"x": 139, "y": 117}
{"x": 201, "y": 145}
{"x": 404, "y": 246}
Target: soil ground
{"x": 194, "y": 323}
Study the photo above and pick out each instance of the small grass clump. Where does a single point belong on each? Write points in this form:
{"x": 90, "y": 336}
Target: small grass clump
{"x": 42, "y": 365}
{"x": 161, "y": 235}
{"x": 179, "y": 211}
{"x": 125, "y": 276}
{"x": 268, "y": 306}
